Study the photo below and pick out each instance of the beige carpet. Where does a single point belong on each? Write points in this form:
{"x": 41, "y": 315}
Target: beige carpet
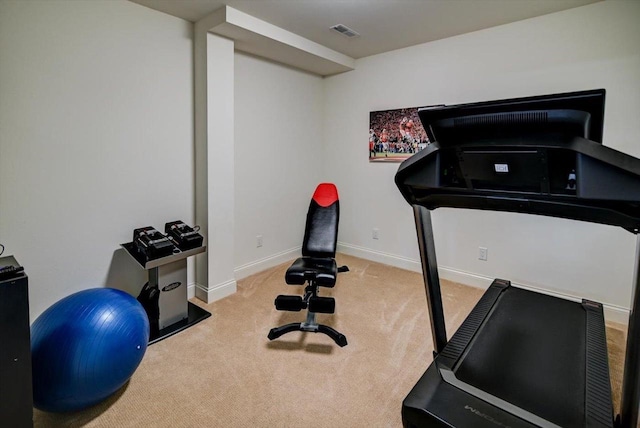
{"x": 224, "y": 372}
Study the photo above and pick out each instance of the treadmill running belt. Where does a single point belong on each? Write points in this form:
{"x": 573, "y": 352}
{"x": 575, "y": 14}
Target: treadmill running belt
{"x": 534, "y": 340}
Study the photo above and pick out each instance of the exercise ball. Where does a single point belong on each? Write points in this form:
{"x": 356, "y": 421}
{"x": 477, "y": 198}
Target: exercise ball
{"x": 85, "y": 347}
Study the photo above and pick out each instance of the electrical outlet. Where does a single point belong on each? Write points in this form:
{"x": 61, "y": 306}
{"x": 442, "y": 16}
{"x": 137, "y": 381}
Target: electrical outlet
{"x": 482, "y": 254}
{"x": 258, "y": 241}
{"x": 375, "y": 233}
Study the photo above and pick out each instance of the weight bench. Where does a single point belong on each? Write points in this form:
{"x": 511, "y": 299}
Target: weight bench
{"x": 316, "y": 268}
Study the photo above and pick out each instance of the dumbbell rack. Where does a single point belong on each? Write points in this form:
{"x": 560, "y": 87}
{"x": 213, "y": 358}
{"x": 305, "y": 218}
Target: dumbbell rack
{"x": 169, "y": 275}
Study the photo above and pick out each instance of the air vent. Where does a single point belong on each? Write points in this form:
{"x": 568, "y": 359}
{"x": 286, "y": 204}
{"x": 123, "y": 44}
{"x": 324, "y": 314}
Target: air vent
{"x": 343, "y": 29}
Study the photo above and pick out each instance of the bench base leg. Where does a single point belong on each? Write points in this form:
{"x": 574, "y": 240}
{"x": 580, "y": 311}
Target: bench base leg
{"x": 339, "y": 338}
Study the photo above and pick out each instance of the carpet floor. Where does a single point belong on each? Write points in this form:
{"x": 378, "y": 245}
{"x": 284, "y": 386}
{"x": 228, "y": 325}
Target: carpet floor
{"x": 224, "y": 372}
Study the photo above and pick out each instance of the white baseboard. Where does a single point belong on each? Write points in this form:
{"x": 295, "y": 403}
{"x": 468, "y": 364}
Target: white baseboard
{"x": 616, "y": 314}
{"x": 380, "y": 257}
{"x": 220, "y": 291}
{"x": 266, "y": 263}
{"x": 216, "y": 292}
{"x": 613, "y": 313}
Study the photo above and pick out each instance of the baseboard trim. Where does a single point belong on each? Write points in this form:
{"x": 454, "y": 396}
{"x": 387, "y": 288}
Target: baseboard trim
{"x": 250, "y": 268}
{"x": 216, "y": 292}
{"x": 191, "y": 290}
{"x": 613, "y": 313}
{"x": 380, "y": 257}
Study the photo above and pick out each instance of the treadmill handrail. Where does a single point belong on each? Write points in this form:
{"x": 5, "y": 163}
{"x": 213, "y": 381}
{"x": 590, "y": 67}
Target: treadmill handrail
{"x": 430, "y": 277}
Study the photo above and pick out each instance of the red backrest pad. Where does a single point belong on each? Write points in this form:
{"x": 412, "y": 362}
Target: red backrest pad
{"x": 325, "y": 194}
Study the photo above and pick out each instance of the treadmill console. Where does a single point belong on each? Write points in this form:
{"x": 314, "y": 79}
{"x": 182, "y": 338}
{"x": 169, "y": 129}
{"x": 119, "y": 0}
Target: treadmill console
{"x": 540, "y": 160}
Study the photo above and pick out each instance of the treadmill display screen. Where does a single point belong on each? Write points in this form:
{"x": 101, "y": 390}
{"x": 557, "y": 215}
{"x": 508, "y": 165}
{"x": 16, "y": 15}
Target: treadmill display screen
{"x": 574, "y": 114}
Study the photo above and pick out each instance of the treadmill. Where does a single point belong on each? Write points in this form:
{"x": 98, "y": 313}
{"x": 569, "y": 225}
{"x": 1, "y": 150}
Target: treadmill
{"x": 521, "y": 358}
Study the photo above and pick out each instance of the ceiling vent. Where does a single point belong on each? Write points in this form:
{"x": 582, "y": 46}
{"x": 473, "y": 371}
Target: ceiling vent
{"x": 343, "y": 29}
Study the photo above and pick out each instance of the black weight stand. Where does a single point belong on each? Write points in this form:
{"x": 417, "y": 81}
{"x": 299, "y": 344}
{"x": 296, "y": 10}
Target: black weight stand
{"x": 164, "y": 297}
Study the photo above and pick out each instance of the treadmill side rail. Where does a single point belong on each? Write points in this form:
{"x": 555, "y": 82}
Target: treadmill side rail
{"x": 434, "y": 403}
{"x": 451, "y": 379}
{"x": 598, "y": 386}
{"x": 467, "y": 331}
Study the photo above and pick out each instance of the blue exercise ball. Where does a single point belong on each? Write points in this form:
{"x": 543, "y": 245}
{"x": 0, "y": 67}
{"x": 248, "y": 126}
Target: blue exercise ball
{"x": 85, "y": 347}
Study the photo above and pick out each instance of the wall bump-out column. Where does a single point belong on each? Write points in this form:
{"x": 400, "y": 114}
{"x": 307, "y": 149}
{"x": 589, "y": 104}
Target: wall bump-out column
{"x": 214, "y": 80}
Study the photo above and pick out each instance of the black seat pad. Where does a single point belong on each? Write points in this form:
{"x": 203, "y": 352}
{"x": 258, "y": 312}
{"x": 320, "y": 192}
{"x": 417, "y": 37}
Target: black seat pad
{"x": 321, "y": 269}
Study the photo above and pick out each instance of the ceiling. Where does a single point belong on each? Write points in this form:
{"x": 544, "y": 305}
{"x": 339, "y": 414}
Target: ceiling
{"x": 383, "y": 25}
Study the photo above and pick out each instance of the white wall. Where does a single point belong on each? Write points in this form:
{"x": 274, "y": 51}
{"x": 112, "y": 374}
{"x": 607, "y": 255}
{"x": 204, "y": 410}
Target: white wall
{"x": 278, "y": 159}
{"x": 594, "y": 46}
{"x": 96, "y": 138}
